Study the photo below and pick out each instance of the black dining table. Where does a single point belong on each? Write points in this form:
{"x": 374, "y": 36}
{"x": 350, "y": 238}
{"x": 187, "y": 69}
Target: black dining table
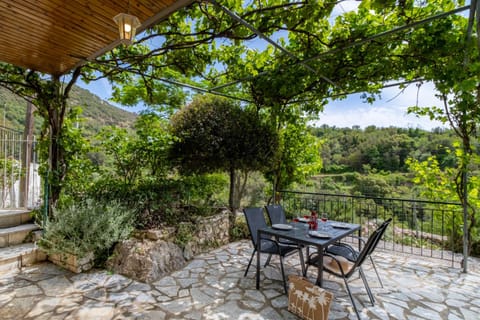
{"x": 299, "y": 233}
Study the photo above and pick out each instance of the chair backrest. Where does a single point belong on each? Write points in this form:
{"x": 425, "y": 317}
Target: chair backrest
{"x": 382, "y": 228}
{"x": 255, "y": 220}
{"x": 276, "y": 214}
{"x": 371, "y": 244}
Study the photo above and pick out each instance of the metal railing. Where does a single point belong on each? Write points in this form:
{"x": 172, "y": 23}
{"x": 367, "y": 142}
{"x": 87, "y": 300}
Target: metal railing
{"x": 419, "y": 227}
{"x": 19, "y": 178}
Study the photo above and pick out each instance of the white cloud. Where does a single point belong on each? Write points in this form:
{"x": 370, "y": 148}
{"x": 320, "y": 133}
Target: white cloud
{"x": 390, "y": 110}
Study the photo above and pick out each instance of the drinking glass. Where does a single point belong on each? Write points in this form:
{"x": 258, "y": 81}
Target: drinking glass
{"x": 323, "y": 219}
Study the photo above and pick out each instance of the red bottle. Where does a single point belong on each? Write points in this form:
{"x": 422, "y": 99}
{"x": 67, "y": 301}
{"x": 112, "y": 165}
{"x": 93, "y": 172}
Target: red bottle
{"x": 313, "y": 223}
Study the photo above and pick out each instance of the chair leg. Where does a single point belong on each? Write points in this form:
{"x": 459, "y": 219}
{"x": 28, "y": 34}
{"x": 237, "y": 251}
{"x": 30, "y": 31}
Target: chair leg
{"x": 250, "y": 262}
{"x": 351, "y": 297}
{"x": 283, "y": 275}
{"x": 307, "y": 263}
{"x": 268, "y": 260}
{"x": 302, "y": 261}
{"x": 375, "y": 268}
{"x": 367, "y": 287}
{"x": 305, "y": 271}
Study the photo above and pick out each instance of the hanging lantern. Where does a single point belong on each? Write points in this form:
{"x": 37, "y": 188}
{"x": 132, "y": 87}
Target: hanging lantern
{"x": 127, "y": 26}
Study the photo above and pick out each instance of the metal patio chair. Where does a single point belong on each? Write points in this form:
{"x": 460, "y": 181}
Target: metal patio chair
{"x": 341, "y": 267}
{"x": 340, "y": 249}
{"x": 276, "y": 215}
{"x": 256, "y": 220}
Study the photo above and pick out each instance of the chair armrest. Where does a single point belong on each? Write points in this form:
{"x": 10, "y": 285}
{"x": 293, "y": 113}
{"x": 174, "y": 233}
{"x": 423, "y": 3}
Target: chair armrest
{"x": 357, "y": 238}
{"x": 289, "y": 244}
{"x": 346, "y": 246}
{"x": 270, "y": 240}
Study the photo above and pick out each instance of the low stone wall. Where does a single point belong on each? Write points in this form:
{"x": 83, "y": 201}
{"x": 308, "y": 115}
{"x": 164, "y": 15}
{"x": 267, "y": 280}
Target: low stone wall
{"x": 210, "y": 232}
{"x": 151, "y": 254}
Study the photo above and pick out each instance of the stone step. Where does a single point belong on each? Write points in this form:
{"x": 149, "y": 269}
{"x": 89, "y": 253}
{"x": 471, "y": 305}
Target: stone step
{"x": 17, "y": 256}
{"x": 13, "y": 218}
{"x": 16, "y": 235}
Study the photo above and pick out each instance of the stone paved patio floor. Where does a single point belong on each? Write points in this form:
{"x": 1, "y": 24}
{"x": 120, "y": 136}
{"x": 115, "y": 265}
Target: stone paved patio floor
{"x": 212, "y": 286}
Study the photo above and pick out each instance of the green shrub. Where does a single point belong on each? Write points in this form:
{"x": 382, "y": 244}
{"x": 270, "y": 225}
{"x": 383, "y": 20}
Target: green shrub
{"x": 184, "y": 234}
{"x": 372, "y": 185}
{"x": 87, "y": 227}
{"x": 257, "y": 190}
{"x": 164, "y": 200}
{"x": 205, "y": 190}
{"x": 240, "y": 230}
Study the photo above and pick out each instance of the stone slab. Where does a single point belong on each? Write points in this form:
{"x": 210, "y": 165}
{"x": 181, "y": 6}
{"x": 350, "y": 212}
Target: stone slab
{"x": 12, "y": 218}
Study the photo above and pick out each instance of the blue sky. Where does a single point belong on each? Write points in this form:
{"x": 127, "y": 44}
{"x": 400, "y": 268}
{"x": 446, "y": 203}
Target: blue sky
{"x": 390, "y": 110}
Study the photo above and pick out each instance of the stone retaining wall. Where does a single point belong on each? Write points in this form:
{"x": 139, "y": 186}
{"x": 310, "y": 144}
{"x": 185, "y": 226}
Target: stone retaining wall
{"x": 151, "y": 254}
{"x": 210, "y": 232}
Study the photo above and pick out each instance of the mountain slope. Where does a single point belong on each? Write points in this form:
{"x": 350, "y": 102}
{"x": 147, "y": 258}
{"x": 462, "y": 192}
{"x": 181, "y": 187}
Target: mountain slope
{"x": 97, "y": 113}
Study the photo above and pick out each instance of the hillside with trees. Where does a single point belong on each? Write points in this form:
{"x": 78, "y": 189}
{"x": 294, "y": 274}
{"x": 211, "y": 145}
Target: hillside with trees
{"x": 382, "y": 149}
{"x": 379, "y": 161}
{"x": 96, "y": 113}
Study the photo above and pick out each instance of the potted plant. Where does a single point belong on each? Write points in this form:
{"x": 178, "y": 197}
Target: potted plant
{"x": 79, "y": 233}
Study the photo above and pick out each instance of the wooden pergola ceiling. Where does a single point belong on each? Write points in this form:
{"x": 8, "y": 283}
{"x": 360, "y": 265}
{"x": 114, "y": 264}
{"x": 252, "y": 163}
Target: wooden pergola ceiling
{"x": 54, "y": 36}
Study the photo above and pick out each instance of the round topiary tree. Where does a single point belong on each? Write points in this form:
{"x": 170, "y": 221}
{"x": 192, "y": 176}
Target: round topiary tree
{"x": 217, "y": 134}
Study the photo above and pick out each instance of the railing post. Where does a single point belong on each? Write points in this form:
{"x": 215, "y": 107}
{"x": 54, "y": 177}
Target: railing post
{"x": 465, "y": 221}
{"x": 45, "y": 202}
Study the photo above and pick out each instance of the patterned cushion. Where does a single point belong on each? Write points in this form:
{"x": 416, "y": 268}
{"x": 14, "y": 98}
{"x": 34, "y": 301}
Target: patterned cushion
{"x": 307, "y": 300}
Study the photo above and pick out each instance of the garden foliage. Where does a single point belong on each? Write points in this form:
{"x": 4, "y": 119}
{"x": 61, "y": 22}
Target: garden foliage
{"x": 85, "y": 227}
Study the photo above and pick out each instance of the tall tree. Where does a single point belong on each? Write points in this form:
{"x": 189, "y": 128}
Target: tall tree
{"x": 457, "y": 80}
{"x": 216, "y": 134}
{"x": 27, "y": 155}
{"x": 50, "y": 96}
{"x": 297, "y": 158}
